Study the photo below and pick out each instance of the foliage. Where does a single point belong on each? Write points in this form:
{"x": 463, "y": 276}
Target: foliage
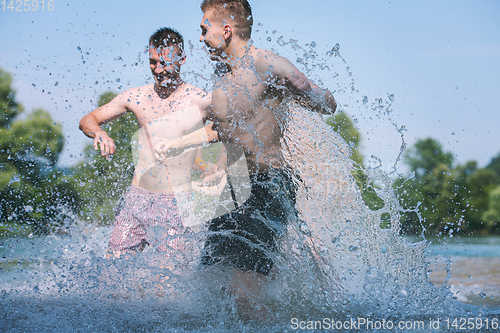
{"x": 441, "y": 198}
{"x": 494, "y": 165}
{"x": 426, "y": 156}
{"x": 8, "y": 106}
{"x": 33, "y": 190}
{"x": 344, "y": 126}
{"x": 492, "y": 215}
{"x": 100, "y": 181}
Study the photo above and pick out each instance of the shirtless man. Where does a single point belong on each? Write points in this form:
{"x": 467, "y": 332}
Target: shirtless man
{"x": 246, "y": 104}
{"x": 166, "y": 110}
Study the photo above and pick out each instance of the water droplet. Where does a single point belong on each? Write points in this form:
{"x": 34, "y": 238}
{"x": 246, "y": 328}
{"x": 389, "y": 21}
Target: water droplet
{"x": 365, "y": 100}
{"x": 28, "y": 209}
{"x": 483, "y": 295}
{"x": 34, "y": 85}
{"x": 452, "y": 133}
{"x": 313, "y": 44}
{"x": 383, "y": 249}
{"x": 268, "y": 39}
{"x": 79, "y": 48}
{"x": 353, "y": 248}
{"x": 56, "y": 84}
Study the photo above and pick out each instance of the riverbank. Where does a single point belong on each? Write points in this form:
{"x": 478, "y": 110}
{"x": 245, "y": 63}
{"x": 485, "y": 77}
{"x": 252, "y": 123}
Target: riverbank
{"x": 469, "y": 267}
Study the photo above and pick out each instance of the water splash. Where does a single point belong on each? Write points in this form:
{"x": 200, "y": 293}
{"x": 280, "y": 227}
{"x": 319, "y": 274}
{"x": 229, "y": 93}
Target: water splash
{"x": 336, "y": 259}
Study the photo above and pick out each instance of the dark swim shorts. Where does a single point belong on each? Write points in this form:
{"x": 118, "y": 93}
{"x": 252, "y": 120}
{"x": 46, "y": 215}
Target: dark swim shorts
{"x": 241, "y": 238}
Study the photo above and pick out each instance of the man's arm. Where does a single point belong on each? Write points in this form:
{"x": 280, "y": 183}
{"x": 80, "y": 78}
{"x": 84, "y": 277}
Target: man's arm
{"x": 90, "y": 124}
{"x": 322, "y": 99}
{"x": 288, "y": 75}
{"x": 175, "y": 147}
{"x": 205, "y": 105}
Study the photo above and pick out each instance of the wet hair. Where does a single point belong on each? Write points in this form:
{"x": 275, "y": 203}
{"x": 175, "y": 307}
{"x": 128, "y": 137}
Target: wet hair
{"x": 238, "y": 11}
{"x": 167, "y": 37}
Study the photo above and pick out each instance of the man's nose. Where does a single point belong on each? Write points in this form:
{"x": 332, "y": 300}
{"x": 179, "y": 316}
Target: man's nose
{"x": 159, "y": 67}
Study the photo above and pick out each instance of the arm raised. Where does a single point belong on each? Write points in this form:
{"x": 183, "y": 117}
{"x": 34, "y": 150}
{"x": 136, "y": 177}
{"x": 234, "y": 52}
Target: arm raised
{"x": 90, "y": 124}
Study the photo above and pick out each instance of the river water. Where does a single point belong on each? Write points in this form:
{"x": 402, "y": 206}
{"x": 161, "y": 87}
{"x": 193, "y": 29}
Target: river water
{"x": 474, "y": 268}
{"x": 48, "y": 284}
{"x": 337, "y": 265}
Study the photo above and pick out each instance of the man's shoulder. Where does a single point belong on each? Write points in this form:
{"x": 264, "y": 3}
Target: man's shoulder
{"x": 139, "y": 91}
{"x": 191, "y": 88}
{"x": 196, "y": 94}
{"x": 272, "y": 63}
{"x": 260, "y": 52}
{"x": 263, "y": 56}
{"x": 269, "y": 63}
{"x": 132, "y": 97}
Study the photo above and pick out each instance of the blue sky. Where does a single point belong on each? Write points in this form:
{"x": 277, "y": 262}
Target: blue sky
{"x": 440, "y": 60}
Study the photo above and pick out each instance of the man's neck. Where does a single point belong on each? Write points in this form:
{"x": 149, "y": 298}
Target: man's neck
{"x": 238, "y": 52}
{"x": 164, "y": 91}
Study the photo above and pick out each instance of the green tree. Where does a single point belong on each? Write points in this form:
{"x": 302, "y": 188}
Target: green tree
{"x": 426, "y": 156}
{"x": 8, "y": 106}
{"x": 442, "y": 198}
{"x": 102, "y": 181}
{"x": 494, "y": 165}
{"x": 492, "y": 215}
{"x": 344, "y": 126}
{"x": 33, "y": 190}
{"x": 428, "y": 201}
{"x": 473, "y": 190}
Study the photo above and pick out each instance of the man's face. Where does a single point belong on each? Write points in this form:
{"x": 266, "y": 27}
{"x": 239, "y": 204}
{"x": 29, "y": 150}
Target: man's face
{"x": 165, "y": 63}
{"x": 212, "y": 35}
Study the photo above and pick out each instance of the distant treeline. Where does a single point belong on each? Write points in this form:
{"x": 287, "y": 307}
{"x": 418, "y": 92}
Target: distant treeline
{"x": 38, "y": 197}
{"x": 443, "y": 198}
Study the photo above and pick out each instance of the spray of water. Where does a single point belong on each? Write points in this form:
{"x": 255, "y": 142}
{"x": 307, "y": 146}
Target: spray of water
{"x": 337, "y": 258}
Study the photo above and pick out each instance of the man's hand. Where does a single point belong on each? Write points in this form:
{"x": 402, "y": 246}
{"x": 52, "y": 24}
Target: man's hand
{"x": 169, "y": 149}
{"x": 297, "y": 81}
{"x": 211, "y": 179}
{"x": 103, "y": 142}
{"x": 318, "y": 99}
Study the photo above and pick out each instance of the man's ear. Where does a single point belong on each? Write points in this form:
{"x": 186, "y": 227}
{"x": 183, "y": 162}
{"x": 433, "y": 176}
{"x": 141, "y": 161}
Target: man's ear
{"x": 228, "y": 31}
{"x": 183, "y": 60}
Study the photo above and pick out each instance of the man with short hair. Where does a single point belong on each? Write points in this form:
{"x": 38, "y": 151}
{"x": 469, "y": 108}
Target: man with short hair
{"x": 167, "y": 109}
{"x": 246, "y": 105}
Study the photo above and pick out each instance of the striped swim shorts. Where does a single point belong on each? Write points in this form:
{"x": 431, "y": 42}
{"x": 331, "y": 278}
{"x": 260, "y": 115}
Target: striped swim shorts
{"x": 150, "y": 218}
